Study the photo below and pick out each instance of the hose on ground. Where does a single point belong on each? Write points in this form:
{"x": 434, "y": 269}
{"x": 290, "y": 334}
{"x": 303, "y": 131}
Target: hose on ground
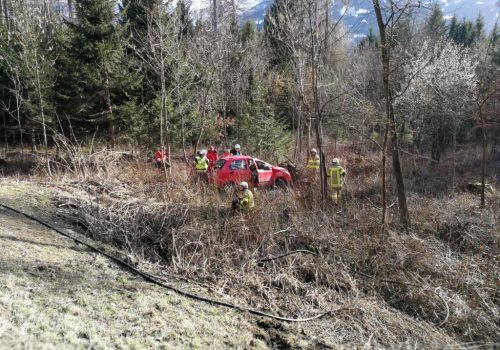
{"x": 154, "y": 280}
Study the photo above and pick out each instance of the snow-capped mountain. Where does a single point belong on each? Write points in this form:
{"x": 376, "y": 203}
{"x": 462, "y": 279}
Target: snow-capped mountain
{"x": 359, "y": 17}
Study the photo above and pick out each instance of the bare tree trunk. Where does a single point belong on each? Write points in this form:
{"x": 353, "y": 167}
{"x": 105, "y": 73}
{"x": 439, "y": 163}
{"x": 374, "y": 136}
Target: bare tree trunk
{"x": 70, "y": 8}
{"x": 484, "y": 146}
{"x": 6, "y": 141}
{"x": 214, "y": 14}
{"x": 404, "y": 214}
{"x": 5, "y": 9}
{"x": 384, "y": 175}
{"x": 454, "y": 154}
{"x": 315, "y": 69}
{"x": 40, "y": 100}
{"x": 109, "y": 116}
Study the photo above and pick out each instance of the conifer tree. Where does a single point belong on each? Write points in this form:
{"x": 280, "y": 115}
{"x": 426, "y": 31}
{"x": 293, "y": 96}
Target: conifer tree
{"x": 94, "y": 76}
{"x": 436, "y": 24}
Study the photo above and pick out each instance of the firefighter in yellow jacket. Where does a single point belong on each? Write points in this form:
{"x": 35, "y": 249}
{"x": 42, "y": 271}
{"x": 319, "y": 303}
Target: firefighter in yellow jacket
{"x": 244, "y": 203}
{"x": 313, "y": 166}
{"x": 201, "y": 166}
{"x": 335, "y": 175}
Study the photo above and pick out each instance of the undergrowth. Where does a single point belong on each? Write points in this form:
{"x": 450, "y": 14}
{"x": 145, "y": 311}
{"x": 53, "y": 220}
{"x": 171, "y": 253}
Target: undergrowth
{"x": 442, "y": 273}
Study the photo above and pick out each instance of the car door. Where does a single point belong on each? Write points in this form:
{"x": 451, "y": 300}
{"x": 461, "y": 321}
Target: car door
{"x": 239, "y": 171}
{"x": 265, "y": 172}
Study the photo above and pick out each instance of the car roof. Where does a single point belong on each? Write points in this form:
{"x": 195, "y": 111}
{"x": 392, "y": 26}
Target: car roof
{"x": 231, "y": 157}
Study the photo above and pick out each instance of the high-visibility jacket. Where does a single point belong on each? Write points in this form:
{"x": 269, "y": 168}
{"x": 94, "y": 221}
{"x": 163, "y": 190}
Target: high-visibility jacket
{"x": 201, "y": 163}
{"x": 313, "y": 163}
{"x": 246, "y": 200}
{"x": 335, "y": 176}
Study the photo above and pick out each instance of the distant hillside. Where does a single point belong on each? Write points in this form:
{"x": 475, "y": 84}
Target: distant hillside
{"x": 359, "y": 16}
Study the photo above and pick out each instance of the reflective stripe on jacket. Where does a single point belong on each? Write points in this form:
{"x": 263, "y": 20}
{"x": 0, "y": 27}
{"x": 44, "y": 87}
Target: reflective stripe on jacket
{"x": 313, "y": 163}
{"x": 246, "y": 200}
{"x": 201, "y": 163}
{"x": 335, "y": 176}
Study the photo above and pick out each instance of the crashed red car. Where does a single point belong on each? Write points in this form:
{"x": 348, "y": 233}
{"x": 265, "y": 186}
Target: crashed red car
{"x": 230, "y": 171}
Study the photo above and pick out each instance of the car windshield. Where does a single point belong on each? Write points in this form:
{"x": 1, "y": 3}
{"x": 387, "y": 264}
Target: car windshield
{"x": 220, "y": 163}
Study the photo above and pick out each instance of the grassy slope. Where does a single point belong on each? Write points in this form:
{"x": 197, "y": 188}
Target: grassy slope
{"x": 55, "y": 294}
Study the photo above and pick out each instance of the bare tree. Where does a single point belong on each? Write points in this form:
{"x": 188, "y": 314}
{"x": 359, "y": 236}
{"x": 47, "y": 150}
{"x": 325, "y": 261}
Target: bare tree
{"x": 395, "y": 11}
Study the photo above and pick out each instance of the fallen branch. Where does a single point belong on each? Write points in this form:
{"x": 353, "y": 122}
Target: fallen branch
{"x": 376, "y": 206}
{"x": 290, "y": 253}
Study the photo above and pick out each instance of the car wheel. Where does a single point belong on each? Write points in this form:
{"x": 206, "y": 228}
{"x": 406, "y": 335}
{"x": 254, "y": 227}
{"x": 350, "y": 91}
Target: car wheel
{"x": 280, "y": 183}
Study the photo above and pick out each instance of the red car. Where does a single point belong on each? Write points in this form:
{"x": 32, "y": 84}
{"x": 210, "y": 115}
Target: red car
{"x": 230, "y": 171}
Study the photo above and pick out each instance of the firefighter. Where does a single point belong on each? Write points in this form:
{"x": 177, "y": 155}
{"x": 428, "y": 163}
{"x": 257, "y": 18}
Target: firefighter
{"x": 335, "y": 175}
{"x": 313, "y": 166}
{"x": 201, "y": 165}
{"x": 212, "y": 157}
{"x": 236, "y": 151}
{"x": 244, "y": 201}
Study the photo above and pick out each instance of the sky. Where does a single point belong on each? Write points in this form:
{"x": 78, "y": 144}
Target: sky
{"x": 201, "y": 4}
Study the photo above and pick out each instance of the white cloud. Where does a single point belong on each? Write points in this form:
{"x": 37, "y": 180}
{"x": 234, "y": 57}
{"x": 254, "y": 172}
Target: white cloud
{"x": 362, "y": 11}
{"x": 447, "y": 17}
{"x": 479, "y": 2}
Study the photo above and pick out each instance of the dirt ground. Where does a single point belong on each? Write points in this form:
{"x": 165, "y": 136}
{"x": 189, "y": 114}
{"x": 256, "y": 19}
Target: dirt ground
{"x": 57, "y": 294}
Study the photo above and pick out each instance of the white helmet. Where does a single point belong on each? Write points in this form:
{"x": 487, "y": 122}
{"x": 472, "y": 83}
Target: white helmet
{"x": 335, "y": 161}
{"x": 203, "y": 152}
{"x": 313, "y": 150}
{"x": 237, "y": 146}
{"x": 244, "y": 184}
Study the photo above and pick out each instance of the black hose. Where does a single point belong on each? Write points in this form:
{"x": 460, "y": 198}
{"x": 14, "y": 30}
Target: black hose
{"x": 154, "y": 280}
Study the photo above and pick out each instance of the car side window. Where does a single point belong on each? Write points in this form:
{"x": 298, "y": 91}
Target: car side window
{"x": 238, "y": 165}
{"x": 263, "y": 166}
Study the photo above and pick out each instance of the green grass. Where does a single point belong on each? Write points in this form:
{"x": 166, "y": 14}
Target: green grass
{"x": 55, "y": 294}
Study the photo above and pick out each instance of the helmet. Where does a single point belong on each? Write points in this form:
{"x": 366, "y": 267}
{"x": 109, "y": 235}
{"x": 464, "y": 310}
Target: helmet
{"x": 313, "y": 150}
{"x": 237, "y": 146}
{"x": 203, "y": 152}
{"x": 335, "y": 161}
{"x": 244, "y": 184}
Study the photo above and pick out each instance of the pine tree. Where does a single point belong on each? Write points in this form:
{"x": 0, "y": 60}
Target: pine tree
{"x": 436, "y": 24}
{"x": 94, "y": 75}
{"x": 371, "y": 40}
{"x": 281, "y": 54}
{"x": 479, "y": 33}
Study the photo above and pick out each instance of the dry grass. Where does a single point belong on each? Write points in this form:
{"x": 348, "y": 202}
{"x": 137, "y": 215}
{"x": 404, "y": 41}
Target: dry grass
{"x": 435, "y": 286}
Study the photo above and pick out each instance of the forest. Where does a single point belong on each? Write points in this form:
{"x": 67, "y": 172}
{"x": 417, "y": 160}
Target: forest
{"x": 407, "y": 259}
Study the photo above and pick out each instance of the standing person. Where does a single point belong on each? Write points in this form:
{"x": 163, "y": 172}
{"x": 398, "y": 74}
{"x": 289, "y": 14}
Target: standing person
{"x": 212, "y": 157}
{"x": 201, "y": 165}
{"x": 161, "y": 158}
{"x": 236, "y": 151}
{"x": 227, "y": 152}
{"x": 335, "y": 175}
{"x": 255, "y": 173}
{"x": 244, "y": 201}
{"x": 313, "y": 166}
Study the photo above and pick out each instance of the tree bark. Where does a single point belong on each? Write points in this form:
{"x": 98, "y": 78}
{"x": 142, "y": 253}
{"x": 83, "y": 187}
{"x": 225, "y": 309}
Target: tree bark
{"x": 40, "y": 100}
{"x": 404, "y": 215}
{"x": 109, "y": 115}
{"x": 70, "y": 8}
{"x": 484, "y": 146}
